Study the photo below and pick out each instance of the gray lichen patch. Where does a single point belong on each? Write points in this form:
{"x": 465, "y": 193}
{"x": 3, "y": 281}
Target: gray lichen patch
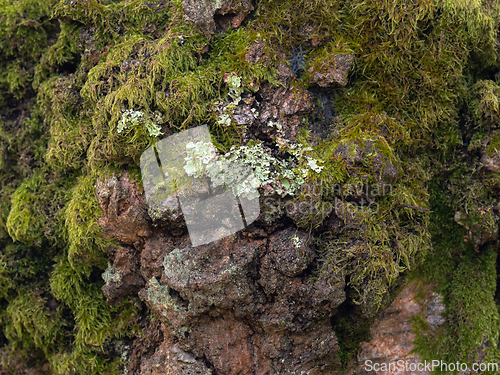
{"x": 216, "y": 15}
{"x": 212, "y": 275}
{"x": 112, "y": 274}
{"x": 290, "y": 252}
{"x": 165, "y": 305}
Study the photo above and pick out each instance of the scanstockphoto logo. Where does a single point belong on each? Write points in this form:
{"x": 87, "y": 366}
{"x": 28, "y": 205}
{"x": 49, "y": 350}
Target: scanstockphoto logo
{"x": 183, "y": 172}
{"x": 402, "y": 366}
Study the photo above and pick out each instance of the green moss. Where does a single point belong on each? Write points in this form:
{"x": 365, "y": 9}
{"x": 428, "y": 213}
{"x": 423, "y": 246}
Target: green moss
{"x": 25, "y": 29}
{"x": 85, "y": 235}
{"x": 310, "y": 20}
{"x": 22, "y": 225}
{"x": 29, "y": 324}
{"x": 63, "y": 52}
{"x": 35, "y": 214}
{"x": 5, "y": 281}
{"x": 484, "y": 104}
{"x": 23, "y": 143}
{"x": 112, "y": 19}
{"x": 375, "y": 258}
{"x": 69, "y": 130}
{"x": 381, "y": 237}
{"x": 398, "y": 51}
{"x": 24, "y": 266}
{"x": 493, "y": 144}
{"x": 467, "y": 280}
{"x": 95, "y": 322}
{"x": 76, "y": 363}
{"x": 397, "y": 59}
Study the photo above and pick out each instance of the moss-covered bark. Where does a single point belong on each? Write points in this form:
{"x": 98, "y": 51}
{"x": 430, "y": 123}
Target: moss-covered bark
{"x": 408, "y": 145}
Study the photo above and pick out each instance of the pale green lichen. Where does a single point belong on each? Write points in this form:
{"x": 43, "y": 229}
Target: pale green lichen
{"x": 249, "y": 167}
{"x": 200, "y": 155}
{"x": 234, "y": 84}
{"x": 131, "y": 118}
{"x": 296, "y": 241}
{"x": 112, "y": 274}
{"x": 226, "y": 109}
{"x": 158, "y": 296}
{"x": 225, "y": 119}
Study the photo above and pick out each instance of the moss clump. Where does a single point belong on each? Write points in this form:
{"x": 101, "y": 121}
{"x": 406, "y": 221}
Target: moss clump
{"x": 70, "y": 131}
{"x": 484, "y": 104}
{"x": 467, "y": 279}
{"x": 21, "y": 224}
{"x": 95, "y": 322}
{"x": 25, "y": 31}
{"x": 29, "y": 324}
{"x": 23, "y": 143}
{"x": 493, "y": 144}
{"x": 310, "y": 20}
{"x": 34, "y": 215}
{"x": 85, "y": 236}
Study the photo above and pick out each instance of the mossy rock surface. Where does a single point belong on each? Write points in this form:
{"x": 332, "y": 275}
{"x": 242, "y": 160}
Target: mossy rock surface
{"x": 373, "y": 132}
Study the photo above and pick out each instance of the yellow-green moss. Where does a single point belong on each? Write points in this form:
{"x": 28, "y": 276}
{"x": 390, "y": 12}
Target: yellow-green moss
{"x": 25, "y": 29}
{"x": 85, "y": 235}
{"x": 28, "y": 323}
{"x": 35, "y": 211}
{"x": 467, "y": 279}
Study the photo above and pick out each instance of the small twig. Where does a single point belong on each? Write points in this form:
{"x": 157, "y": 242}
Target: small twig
{"x": 415, "y": 207}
